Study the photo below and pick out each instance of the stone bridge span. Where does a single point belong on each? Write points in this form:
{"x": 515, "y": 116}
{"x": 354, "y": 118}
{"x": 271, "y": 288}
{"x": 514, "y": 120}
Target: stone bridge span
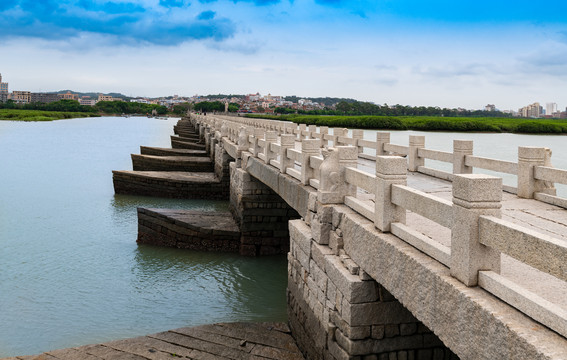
{"x": 391, "y": 259}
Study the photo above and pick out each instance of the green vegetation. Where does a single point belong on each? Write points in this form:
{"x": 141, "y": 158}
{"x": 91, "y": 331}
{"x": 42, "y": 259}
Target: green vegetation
{"x": 210, "y": 106}
{"x": 102, "y": 107}
{"x": 431, "y": 123}
{"x": 39, "y": 115}
{"x": 123, "y": 107}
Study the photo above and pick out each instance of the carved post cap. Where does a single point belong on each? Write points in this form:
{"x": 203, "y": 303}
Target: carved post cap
{"x": 417, "y": 140}
{"x": 270, "y": 135}
{"x": 383, "y": 137}
{"x": 287, "y": 140}
{"x": 531, "y": 154}
{"x": 391, "y": 165}
{"x": 477, "y": 188}
{"x": 323, "y": 129}
{"x": 310, "y": 145}
{"x": 463, "y": 145}
{"x": 347, "y": 153}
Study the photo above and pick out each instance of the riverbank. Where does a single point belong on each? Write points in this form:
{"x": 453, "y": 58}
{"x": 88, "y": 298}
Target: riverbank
{"x": 430, "y": 123}
{"x": 40, "y": 115}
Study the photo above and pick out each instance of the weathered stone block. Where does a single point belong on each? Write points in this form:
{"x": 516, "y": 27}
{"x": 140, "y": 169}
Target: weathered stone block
{"x": 318, "y": 254}
{"x": 320, "y": 231}
{"x": 354, "y": 289}
{"x": 375, "y": 313}
{"x": 300, "y": 233}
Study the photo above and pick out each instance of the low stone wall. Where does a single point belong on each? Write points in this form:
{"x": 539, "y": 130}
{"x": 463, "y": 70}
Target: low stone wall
{"x": 195, "y": 230}
{"x": 171, "y": 163}
{"x": 180, "y": 144}
{"x": 170, "y": 185}
{"x": 155, "y": 151}
{"x": 261, "y": 214}
{"x": 337, "y": 311}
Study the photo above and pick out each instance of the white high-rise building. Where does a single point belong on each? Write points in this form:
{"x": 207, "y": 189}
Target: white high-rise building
{"x": 3, "y": 86}
{"x": 550, "y": 108}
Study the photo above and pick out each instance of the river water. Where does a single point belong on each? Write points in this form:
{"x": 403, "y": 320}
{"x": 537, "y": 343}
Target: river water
{"x": 71, "y": 272}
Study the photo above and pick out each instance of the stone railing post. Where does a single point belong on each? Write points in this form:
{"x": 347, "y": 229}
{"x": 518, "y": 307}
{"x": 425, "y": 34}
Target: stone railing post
{"x": 270, "y": 137}
{"x": 312, "y": 130}
{"x": 242, "y": 144}
{"x": 309, "y": 147}
{"x": 528, "y": 158}
{"x": 358, "y": 135}
{"x": 302, "y": 128}
{"x": 382, "y": 138}
{"x": 461, "y": 148}
{"x": 290, "y": 128}
{"x": 473, "y": 195}
{"x": 415, "y": 142}
{"x": 324, "y": 130}
{"x": 332, "y": 185}
{"x": 224, "y": 130}
{"x": 390, "y": 170}
{"x": 258, "y": 134}
{"x": 287, "y": 141}
{"x": 348, "y": 157}
{"x": 338, "y": 132}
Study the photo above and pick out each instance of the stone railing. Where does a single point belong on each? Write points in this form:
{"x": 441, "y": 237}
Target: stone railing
{"x": 478, "y": 236}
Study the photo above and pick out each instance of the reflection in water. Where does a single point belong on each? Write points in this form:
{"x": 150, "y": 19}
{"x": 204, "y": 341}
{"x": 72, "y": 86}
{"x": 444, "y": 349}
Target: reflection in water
{"x": 239, "y": 288}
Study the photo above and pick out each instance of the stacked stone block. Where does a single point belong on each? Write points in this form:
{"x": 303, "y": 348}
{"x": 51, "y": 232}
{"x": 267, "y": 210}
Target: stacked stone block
{"x": 221, "y": 166}
{"x": 261, "y": 214}
{"x": 192, "y": 230}
{"x": 336, "y": 310}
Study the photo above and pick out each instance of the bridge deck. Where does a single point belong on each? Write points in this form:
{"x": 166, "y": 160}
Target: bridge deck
{"x": 220, "y": 341}
{"x": 547, "y": 219}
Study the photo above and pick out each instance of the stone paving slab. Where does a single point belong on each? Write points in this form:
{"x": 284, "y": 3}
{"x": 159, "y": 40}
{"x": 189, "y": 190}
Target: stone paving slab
{"x": 254, "y": 341}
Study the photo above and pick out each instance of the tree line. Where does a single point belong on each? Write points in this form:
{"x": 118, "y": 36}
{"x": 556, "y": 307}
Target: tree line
{"x": 106, "y": 107}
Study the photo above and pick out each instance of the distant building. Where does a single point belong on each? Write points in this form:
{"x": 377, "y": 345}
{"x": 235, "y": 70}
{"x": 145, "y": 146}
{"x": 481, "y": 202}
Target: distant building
{"x": 534, "y": 110}
{"x": 86, "y": 100}
{"x": 102, "y": 97}
{"x": 69, "y": 96}
{"x": 550, "y": 108}
{"x": 21, "y": 97}
{"x": 3, "y": 87}
{"x": 490, "y": 107}
{"x": 44, "y": 97}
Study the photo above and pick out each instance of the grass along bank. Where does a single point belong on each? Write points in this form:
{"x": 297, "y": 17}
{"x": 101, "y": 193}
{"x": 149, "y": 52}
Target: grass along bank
{"x": 430, "y": 123}
{"x": 40, "y": 115}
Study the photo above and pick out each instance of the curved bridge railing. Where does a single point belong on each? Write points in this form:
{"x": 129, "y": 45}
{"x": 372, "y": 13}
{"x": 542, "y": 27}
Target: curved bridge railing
{"x": 478, "y": 236}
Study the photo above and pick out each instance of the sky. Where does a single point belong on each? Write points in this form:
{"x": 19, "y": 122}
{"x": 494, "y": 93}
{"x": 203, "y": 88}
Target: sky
{"x": 410, "y": 52}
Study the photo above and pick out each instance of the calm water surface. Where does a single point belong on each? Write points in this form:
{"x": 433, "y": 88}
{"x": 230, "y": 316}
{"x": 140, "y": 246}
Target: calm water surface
{"x": 71, "y": 272}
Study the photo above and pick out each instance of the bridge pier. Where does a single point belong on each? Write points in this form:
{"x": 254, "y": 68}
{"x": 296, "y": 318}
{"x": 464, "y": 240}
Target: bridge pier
{"x": 337, "y": 311}
{"x": 261, "y": 214}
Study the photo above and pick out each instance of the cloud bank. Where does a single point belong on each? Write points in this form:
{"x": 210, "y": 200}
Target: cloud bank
{"x": 123, "y": 22}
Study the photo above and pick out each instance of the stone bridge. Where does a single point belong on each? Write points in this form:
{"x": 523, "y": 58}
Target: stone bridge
{"x": 391, "y": 259}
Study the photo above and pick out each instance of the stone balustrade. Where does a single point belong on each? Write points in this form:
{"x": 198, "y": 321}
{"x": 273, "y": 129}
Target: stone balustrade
{"x": 478, "y": 235}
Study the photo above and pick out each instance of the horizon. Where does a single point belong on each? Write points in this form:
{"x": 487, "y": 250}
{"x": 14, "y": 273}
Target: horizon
{"x": 396, "y": 52}
{"x": 283, "y": 96}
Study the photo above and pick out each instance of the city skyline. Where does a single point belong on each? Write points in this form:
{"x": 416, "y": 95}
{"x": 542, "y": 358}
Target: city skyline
{"x": 403, "y": 52}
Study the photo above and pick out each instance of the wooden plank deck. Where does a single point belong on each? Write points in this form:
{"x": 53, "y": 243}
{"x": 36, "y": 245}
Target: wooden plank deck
{"x": 246, "y": 341}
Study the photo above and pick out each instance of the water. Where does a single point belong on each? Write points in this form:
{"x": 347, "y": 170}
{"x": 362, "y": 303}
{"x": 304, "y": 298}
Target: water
{"x": 71, "y": 272}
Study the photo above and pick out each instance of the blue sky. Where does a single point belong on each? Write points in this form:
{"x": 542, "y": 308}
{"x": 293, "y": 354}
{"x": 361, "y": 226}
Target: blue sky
{"x": 438, "y": 53}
